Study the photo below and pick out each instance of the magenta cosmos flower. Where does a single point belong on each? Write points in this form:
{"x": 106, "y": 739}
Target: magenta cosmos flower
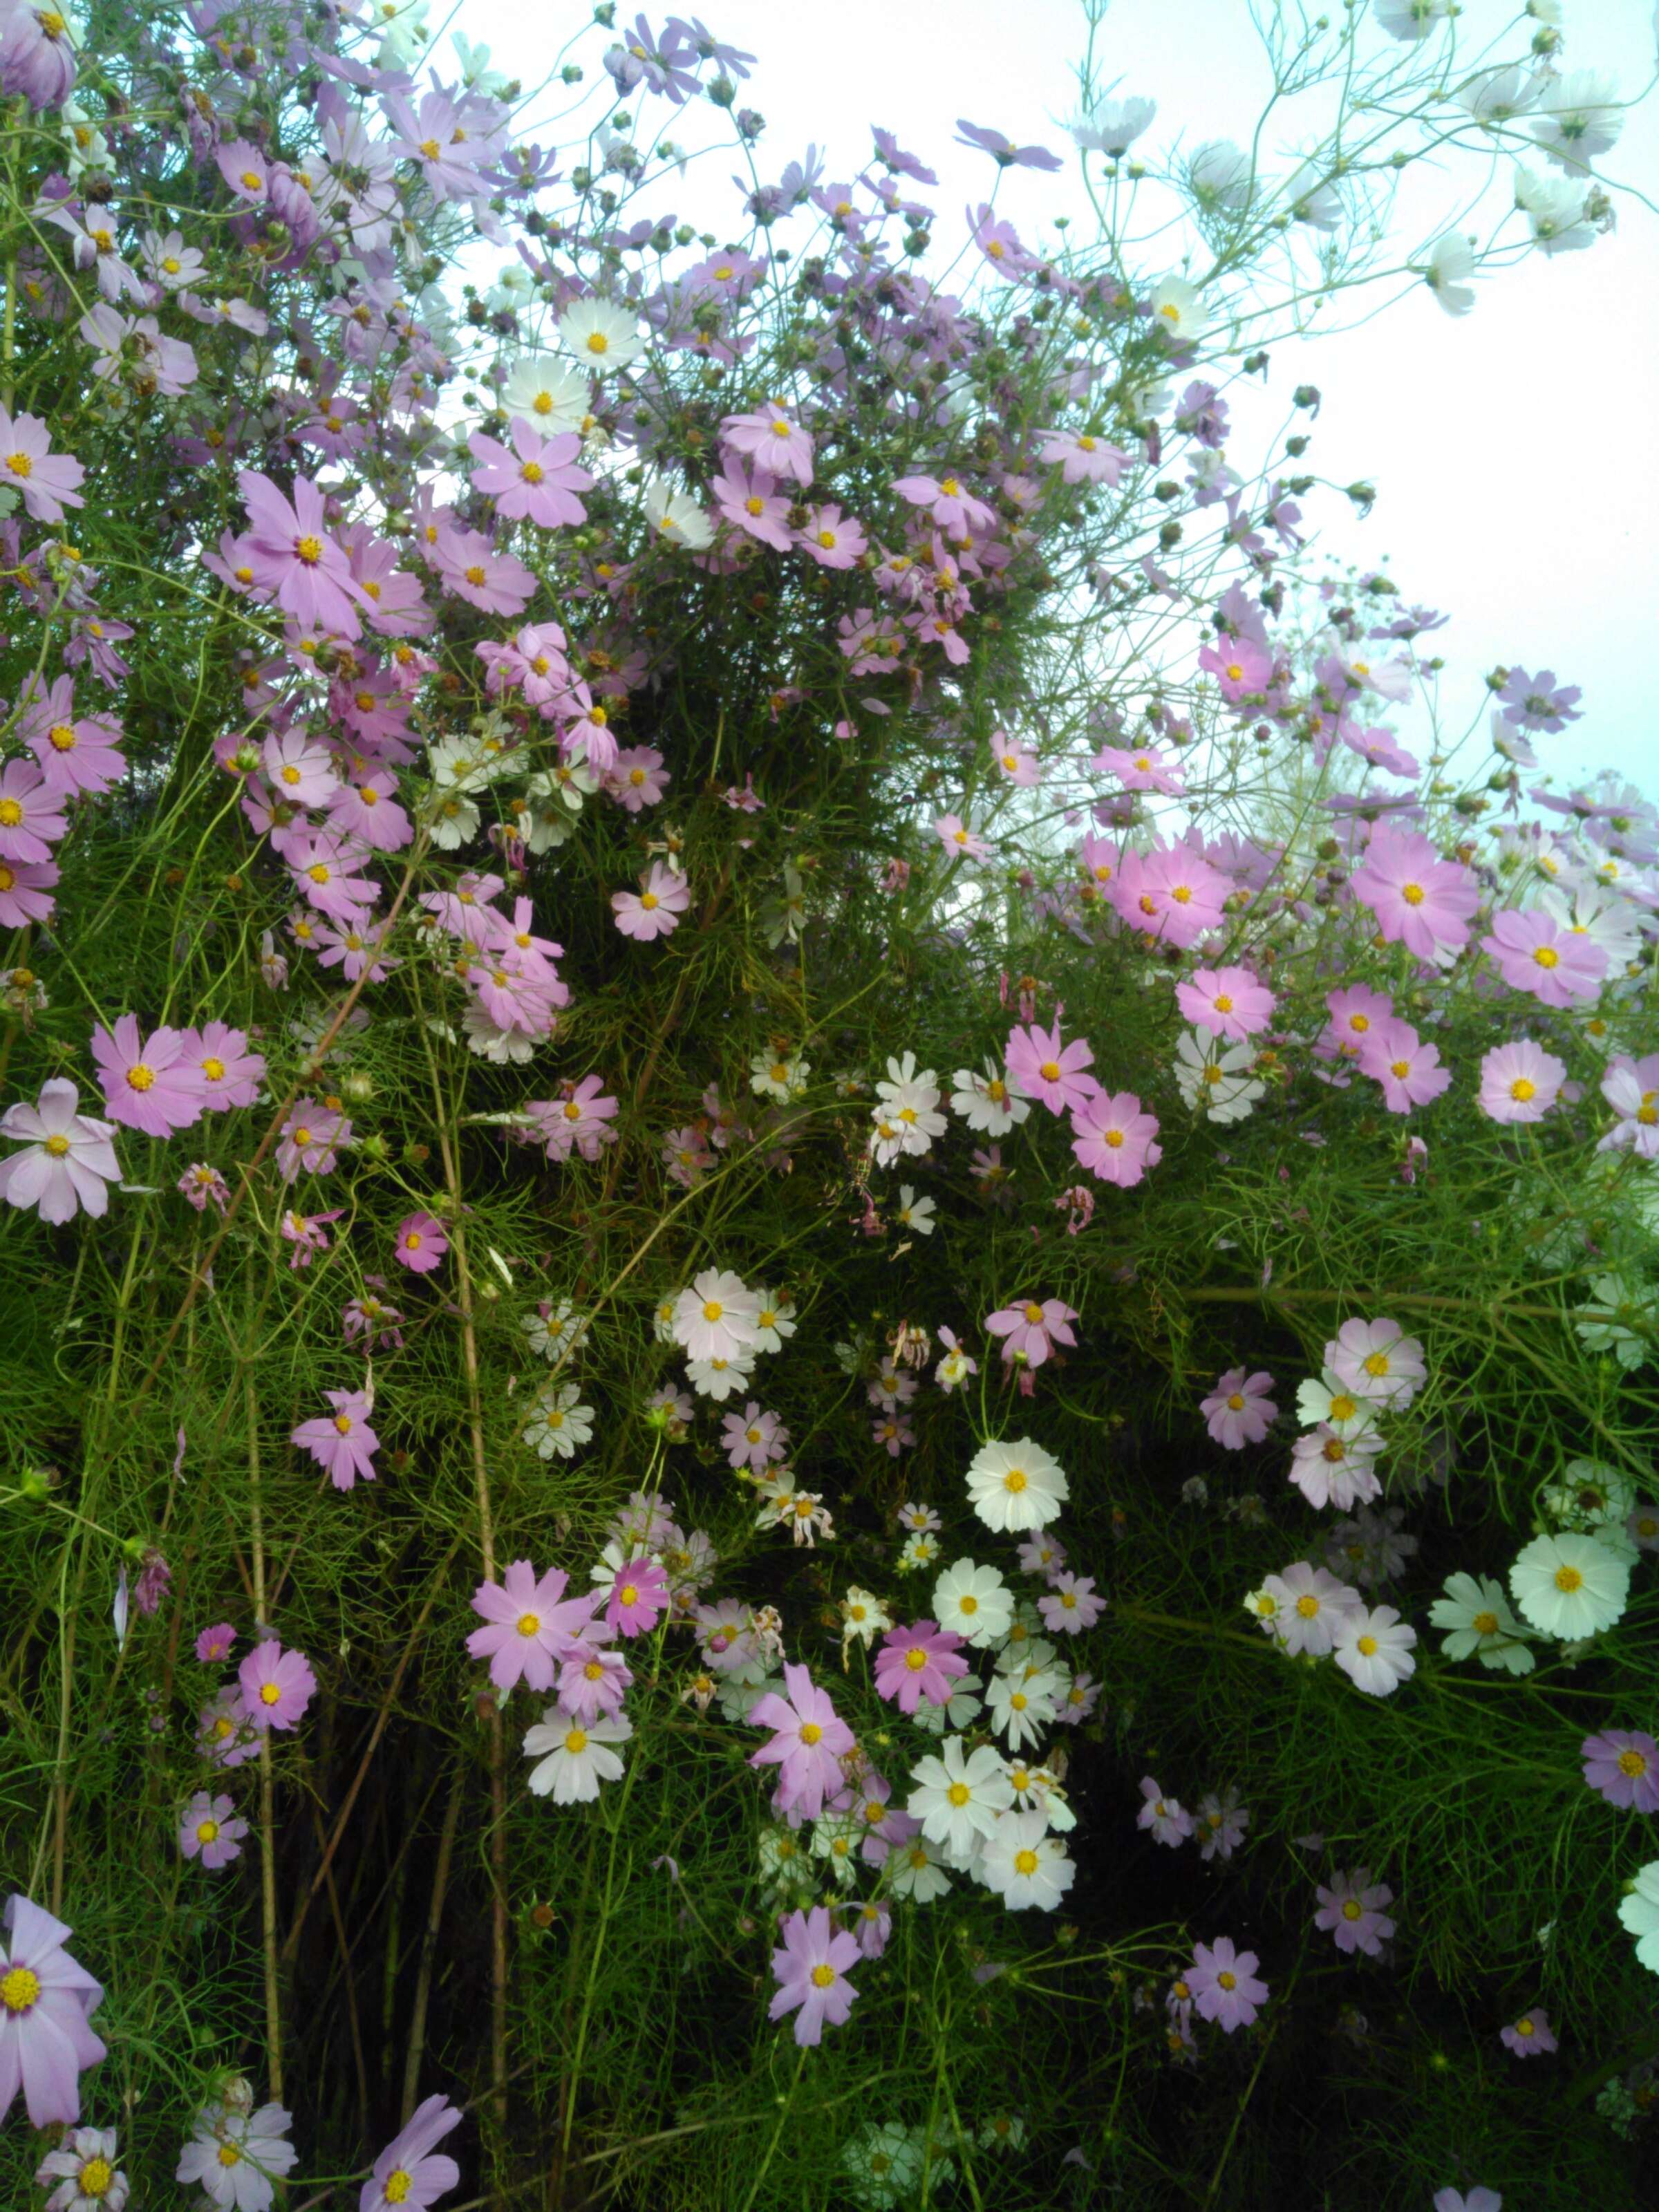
{"x": 230, "y": 1074}
{"x": 48, "y": 482}
{"x": 68, "y": 1161}
{"x": 1224, "y": 1986}
{"x": 638, "y": 1597}
{"x": 312, "y": 1137}
{"x": 422, "y": 1243}
{"x": 215, "y": 1644}
{"x": 31, "y": 819}
{"x": 655, "y": 908}
{"x": 1631, "y": 1087}
{"x": 1114, "y": 1140}
{"x": 1039, "y": 1067}
{"x": 276, "y": 1686}
{"x": 342, "y": 1442}
{"x": 1624, "y": 1765}
{"x": 913, "y": 1663}
{"x": 1520, "y": 1082}
{"x": 1229, "y": 1002}
{"x": 537, "y": 481}
{"x": 1238, "y": 1411}
{"x": 46, "y": 2001}
{"x": 810, "y": 1971}
{"x": 1529, "y": 2035}
{"x": 1351, "y": 1911}
{"x": 209, "y": 1830}
{"x": 1419, "y": 900}
{"x": 1532, "y": 952}
{"x": 294, "y": 557}
{"x": 532, "y": 1625}
{"x": 806, "y": 1745}
{"x": 1408, "y": 1070}
{"x": 150, "y": 1083}
{"x": 408, "y": 2171}
{"x": 76, "y": 753}
{"x": 1030, "y": 1328}
{"x": 769, "y": 438}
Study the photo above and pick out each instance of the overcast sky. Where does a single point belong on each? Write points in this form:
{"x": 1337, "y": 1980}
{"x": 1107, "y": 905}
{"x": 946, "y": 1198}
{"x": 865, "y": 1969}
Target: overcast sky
{"x": 1516, "y": 452}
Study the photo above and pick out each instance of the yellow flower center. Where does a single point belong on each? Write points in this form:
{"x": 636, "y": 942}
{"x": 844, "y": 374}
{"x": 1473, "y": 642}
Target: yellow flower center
{"x": 140, "y": 1077}
{"x": 1227, "y": 1981}
{"x": 310, "y": 550}
{"x": 20, "y": 1989}
{"x": 576, "y": 1740}
{"x": 269, "y": 1693}
{"x": 1015, "y": 1480}
{"x": 1366, "y": 1647}
{"x": 56, "y": 1146}
{"x": 1377, "y": 1364}
{"x": 1025, "y": 1862}
{"x": 811, "y": 1732}
{"x": 629, "y": 1594}
{"x": 95, "y": 2178}
{"x": 1049, "y": 1071}
{"x": 11, "y": 813}
{"x": 1307, "y": 1605}
{"x": 968, "y": 1603}
{"x": 343, "y": 1424}
{"x": 230, "y": 2154}
{"x": 915, "y": 1659}
{"x": 1521, "y": 1089}
{"x": 1485, "y": 1624}
{"x": 398, "y": 2186}
{"x": 1526, "y": 2028}
{"x": 20, "y": 464}
{"x": 1236, "y": 1402}
{"x": 1352, "y": 1908}
{"x": 207, "y": 1831}
{"x": 1632, "y": 1763}
{"x": 713, "y": 1310}
{"x": 1568, "y": 1579}
{"x": 253, "y": 180}
{"x": 214, "y": 1068}
{"x": 649, "y": 901}
{"x": 958, "y": 1793}
{"x": 821, "y": 1977}
{"x": 62, "y": 738}
{"x": 1546, "y": 956}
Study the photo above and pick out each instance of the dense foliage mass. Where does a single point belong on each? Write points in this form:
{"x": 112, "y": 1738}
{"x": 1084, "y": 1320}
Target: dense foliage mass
{"x": 829, "y": 1259}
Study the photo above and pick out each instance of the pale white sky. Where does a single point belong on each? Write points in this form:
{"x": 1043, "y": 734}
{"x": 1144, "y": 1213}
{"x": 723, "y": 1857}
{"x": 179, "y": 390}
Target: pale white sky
{"x": 1516, "y": 452}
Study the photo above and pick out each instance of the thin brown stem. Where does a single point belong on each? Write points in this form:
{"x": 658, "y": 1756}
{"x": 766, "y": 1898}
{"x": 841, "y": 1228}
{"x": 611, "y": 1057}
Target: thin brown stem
{"x": 429, "y": 1943}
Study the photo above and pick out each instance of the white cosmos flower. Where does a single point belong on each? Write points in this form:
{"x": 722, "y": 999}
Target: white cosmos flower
{"x": 985, "y": 1102}
{"x": 958, "y": 1794}
{"x": 1579, "y": 118}
{"x": 1023, "y": 1864}
{"x": 863, "y": 1615}
{"x": 1478, "y": 1615}
{"x": 1639, "y": 1910}
{"x": 913, "y": 1213}
{"x": 601, "y": 335}
{"x": 1309, "y": 1605}
{"x": 1179, "y": 312}
{"x": 676, "y": 516}
{"x": 1211, "y": 1076}
{"x": 773, "y": 1322}
{"x": 907, "y": 1119}
{"x": 914, "y": 1872}
{"x": 1221, "y": 175}
{"x": 547, "y": 391}
{"x": 1411, "y": 19}
{"x": 718, "y": 1378}
{"x": 975, "y": 1601}
{"x": 1112, "y": 126}
{"x": 1373, "y": 1648}
{"x": 717, "y": 1317}
{"x": 1023, "y": 1706}
{"x": 1451, "y": 264}
{"x": 886, "y": 2164}
{"x": 1595, "y": 1500}
{"x": 579, "y": 1756}
{"x": 1555, "y": 207}
{"x": 1497, "y": 95}
{"x": 559, "y": 1421}
{"x": 778, "y": 1075}
{"x": 1015, "y": 1485}
{"x": 1329, "y": 1401}
{"x": 1569, "y": 1586}
{"x": 1625, "y": 1319}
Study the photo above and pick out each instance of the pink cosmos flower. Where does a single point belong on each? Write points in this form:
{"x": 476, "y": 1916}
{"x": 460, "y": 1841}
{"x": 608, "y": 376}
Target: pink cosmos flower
{"x": 1623, "y": 1764}
{"x": 230, "y": 1074}
{"x": 1082, "y": 458}
{"x": 918, "y": 1663}
{"x": 955, "y": 509}
{"x": 1520, "y": 1082}
{"x": 312, "y": 1137}
{"x": 47, "y": 480}
{"x": 1072, "y": 1604}
{"x": 1631, "y": 1087}
{"x": 423, "y": 1241}
{"x": 408, "y": 2171}
{"x": 1224, "y": 1986}
{"x": 1350, "y": 1910}
{"x": 637, "y": 778}
{"x": 323, "y": 866}
{"x": 214, "y": 1643}
{"x": 768, "y": 437}
{"x": 276, "y": 1686}
{"x": 76, "y": 753}
{"x": 806, "y": 1745}
{"x": 810, "y": 1971}
{"x": 1168, "y": 1821}
{"x": 1030, "y": 1329}
{"x": 1241, "y": 667}
{"x": 537, "y": 481}
{"x": 655, "y": 908}
{"x": 299, "y": 768}
{"x": 1229, "y": 1002}
{"x": 294, "y": 557}
{"x": 1169, "y": 894}
{"x": 532, "y": 1624}
{"x": 307, "y": 1232}
{"x": 1331, "y": 1469}
{"x": 209, "y": 1830}
{"x": 1238, "y": 1411}
{"x": 68, "y": 1161}
{"x": 639, "y": 1597}
{"x": 1039, "y": 1067}
{"x": 753, "y": 1439}
{"x": 46, "y": 2002}
{"x": 1419, "y": 900}
{"x": 342, "y": 1442}
{"x": 1532, "y": 952}
{"x": 1115, "y": 1139}
{"x": 960, "y": 843}
{"x": 578, "y": 1121}
{"x": 1374, "y": 1649}
{"x": 26, "y": 892}
{"x": 150, "y": 1083}
{"x": 1529, "y": 2035}
{"x": 593, "y": 1681}
{"x": 471, "y": 567}
{"x": 1408, "y": 1070}
{"x": 1355, "y": 1013}
{"x": 1141, "y": 768}
{"x": 30, "y": 812}
{"x": 835, "y": 540}
{"x": 873, "y": 1926}
{"x": 1220, "y": 1824}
